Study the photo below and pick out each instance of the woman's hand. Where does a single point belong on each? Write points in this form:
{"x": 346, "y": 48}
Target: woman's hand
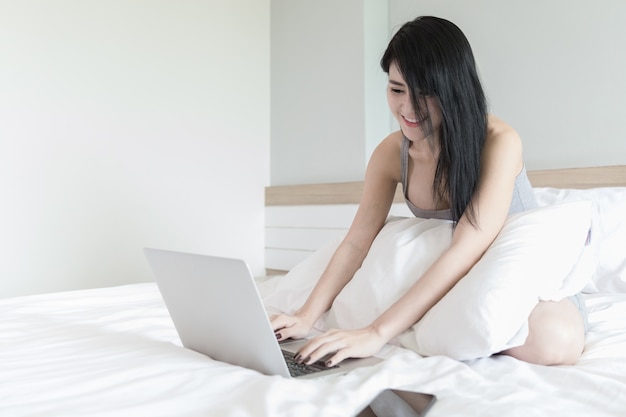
{"x": 295, "y": 327}
{"x": 341, "y": 344}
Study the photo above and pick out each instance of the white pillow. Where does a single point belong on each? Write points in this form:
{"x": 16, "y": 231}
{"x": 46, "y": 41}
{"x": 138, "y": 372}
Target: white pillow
{"x": 402, "y": 250}
{"x": 483, "y": 314}
{"x": 399, "y": 255}
{"x": 292, "y": 289}
{"x": 608, "y": 232}
{"x": 487, "y": 311}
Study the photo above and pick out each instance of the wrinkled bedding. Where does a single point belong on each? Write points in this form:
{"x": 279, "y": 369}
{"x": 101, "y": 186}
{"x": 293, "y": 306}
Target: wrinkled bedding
{"x": 114, "y": 352}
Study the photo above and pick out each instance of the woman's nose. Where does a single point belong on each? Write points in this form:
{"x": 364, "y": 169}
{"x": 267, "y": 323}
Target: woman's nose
{"x": 407, "y": 104}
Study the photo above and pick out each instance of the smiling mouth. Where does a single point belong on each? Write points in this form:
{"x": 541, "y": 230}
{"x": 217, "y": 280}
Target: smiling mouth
{"x": 413, "y": 122}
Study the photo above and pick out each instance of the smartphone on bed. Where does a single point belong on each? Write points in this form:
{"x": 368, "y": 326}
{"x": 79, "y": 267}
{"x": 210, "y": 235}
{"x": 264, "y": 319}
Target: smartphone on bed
{"x": 399, "y": 403}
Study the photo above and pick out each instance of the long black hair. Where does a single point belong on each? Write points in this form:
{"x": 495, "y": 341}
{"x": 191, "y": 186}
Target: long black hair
{"x": 436, "y": 60}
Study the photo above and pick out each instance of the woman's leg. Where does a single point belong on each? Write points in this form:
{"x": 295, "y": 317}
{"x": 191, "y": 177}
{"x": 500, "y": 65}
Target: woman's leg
{"x": 556, "y": 335}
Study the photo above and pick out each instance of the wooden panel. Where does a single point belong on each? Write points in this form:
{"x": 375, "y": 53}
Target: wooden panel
{"x": 350, "y": 192}
{"x": 272, "y": 272}
{"x": 299, "y": 217}
{"x": 312, "y": 194}
{"x": 610, "y": 176}
{"x": 305, "y": 194}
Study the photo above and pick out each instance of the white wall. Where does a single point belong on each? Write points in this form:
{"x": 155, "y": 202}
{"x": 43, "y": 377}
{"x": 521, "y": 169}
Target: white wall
{"x": 127, "y": 124}
{"x": 553, "y": 69}
{"x": 322, "y": 88}
{"x": 377, "y": 118}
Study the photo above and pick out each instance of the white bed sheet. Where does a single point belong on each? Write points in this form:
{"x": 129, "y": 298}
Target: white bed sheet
{"x": 115, "y": 352}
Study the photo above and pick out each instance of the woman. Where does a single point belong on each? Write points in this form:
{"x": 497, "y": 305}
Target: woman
{"x": 455, "y": 162}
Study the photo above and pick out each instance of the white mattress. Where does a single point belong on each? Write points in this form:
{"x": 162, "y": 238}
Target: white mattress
{"x": 115, "y": 352}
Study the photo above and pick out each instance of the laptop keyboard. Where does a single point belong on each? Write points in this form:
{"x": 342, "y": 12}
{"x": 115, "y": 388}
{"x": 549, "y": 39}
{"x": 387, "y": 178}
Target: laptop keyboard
{"x": 299, "y": 369}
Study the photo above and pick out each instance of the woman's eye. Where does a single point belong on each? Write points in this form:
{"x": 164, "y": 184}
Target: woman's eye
{"x": 396, "y": 91}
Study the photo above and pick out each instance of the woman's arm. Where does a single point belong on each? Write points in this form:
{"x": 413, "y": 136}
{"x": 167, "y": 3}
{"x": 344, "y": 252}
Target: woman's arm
{"x": 381, "y": 178}
{"x": 501, "y": 162}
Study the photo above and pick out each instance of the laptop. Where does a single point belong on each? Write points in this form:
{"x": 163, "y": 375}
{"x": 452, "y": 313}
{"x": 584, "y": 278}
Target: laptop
{"x": 217, "y": 311}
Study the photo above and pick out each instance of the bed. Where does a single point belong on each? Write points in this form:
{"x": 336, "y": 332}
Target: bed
{"x": 114, "y": 351}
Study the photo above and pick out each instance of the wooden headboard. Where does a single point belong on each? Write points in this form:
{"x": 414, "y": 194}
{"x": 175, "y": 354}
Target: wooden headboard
{"x": 301, "y": 218}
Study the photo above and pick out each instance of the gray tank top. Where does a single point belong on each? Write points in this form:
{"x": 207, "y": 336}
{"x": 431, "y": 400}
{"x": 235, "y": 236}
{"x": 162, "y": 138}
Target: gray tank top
{"x": 523, "y": 195}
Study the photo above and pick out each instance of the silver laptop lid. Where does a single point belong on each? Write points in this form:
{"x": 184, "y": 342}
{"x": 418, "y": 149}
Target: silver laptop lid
{"x": 216, "y": 309}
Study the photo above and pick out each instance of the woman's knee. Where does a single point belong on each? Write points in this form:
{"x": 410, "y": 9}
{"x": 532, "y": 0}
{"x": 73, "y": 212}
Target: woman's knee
{"x": 556, "y": 335}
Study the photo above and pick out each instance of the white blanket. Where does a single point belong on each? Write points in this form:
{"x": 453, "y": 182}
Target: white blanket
{"x": 115, "y": 352}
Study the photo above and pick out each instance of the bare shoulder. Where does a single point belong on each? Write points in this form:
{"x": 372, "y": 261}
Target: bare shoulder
{"x": 381, "y": 178}
{"x": 502, "y": 143}
{"x": 499, "y": 130}
{"x": 385, "y": 160}
{"x": 391, "y": 144}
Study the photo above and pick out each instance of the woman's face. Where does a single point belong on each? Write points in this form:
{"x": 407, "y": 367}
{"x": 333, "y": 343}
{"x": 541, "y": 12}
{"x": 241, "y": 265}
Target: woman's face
{"x": 401, "y": 106}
